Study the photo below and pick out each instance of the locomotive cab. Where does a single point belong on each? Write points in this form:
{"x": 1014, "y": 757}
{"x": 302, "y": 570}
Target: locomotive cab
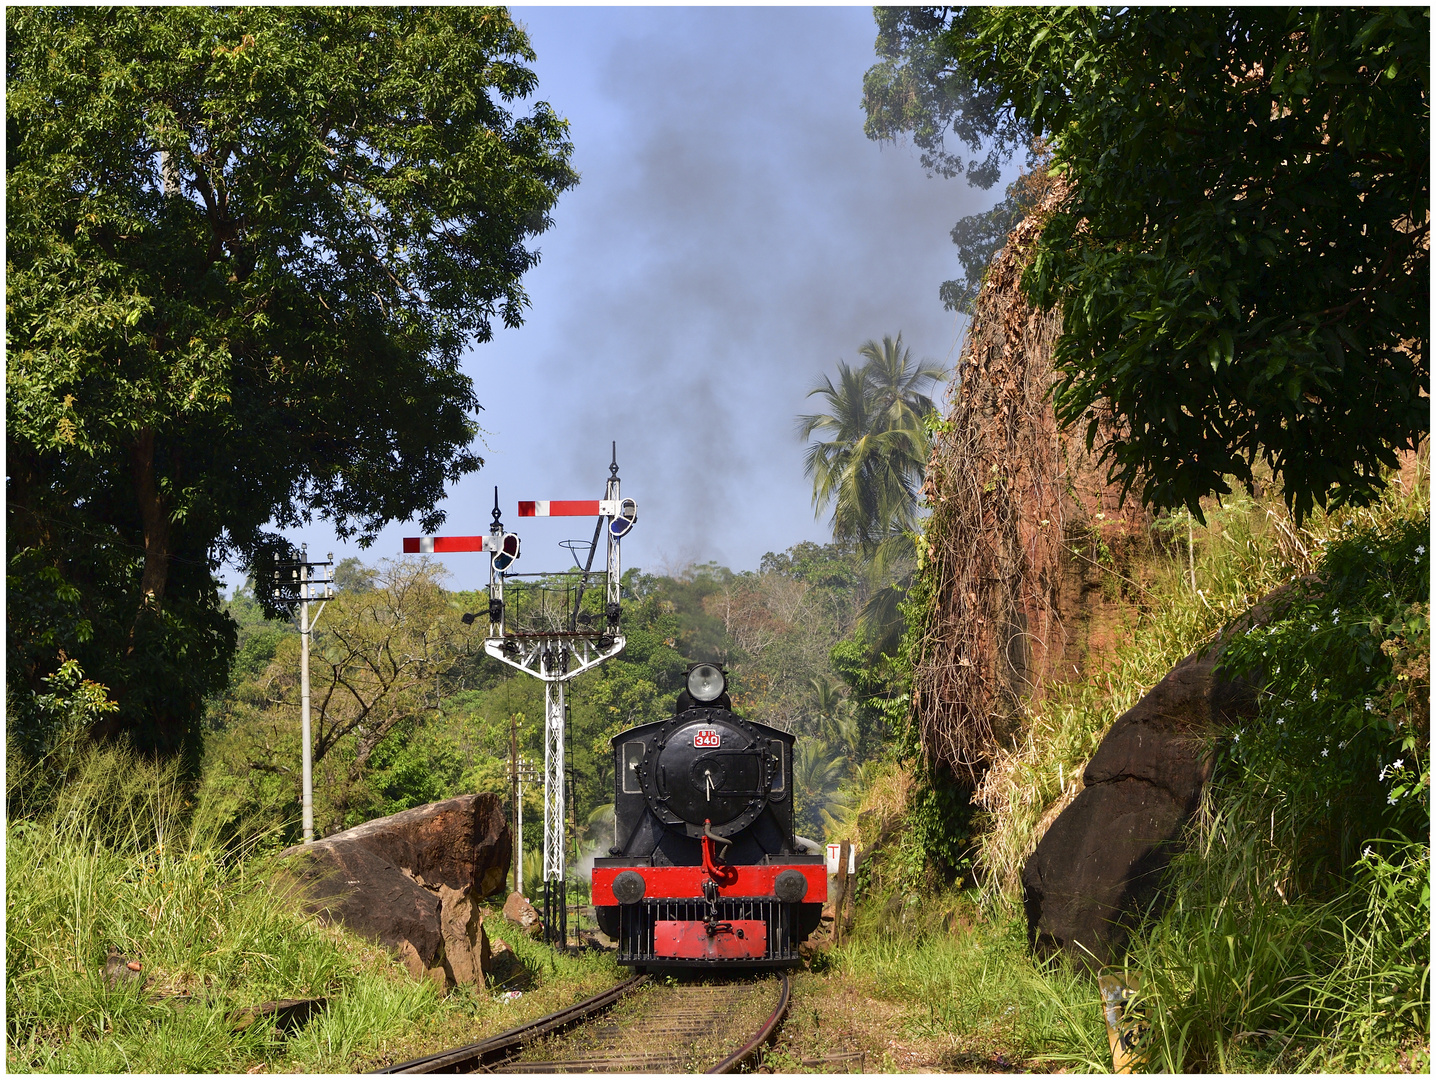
{"x": 705, "y": 868}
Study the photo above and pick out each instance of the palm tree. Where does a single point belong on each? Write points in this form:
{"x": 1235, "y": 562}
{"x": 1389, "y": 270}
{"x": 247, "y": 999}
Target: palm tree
{"x": 897, "y": 383}
{"x": 818, "y": 772}
{"x": 871, "y": 464}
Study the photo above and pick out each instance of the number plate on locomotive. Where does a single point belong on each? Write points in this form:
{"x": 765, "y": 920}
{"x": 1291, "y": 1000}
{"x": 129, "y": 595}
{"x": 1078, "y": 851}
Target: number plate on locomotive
{"x": 706, "y": 738}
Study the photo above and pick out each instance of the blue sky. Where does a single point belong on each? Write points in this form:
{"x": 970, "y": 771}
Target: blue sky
{"x": 733, "y": 236}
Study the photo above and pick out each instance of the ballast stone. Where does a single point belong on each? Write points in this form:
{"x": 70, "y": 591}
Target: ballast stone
{"x": 413, "y": 881}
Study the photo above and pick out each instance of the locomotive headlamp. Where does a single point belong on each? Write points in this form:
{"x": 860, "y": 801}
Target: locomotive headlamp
{"x": 706, "y": 682}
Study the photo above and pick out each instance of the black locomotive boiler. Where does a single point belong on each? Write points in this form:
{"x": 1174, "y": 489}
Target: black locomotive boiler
{"x": 706, "y": 870}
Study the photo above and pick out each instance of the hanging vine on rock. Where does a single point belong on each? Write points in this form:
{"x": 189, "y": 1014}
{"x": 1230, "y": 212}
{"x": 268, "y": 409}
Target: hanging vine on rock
{"x": 1011, "y": 496}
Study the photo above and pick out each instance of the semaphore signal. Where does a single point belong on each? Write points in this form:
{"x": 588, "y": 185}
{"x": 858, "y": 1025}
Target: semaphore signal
{"x": 554, "y": 656}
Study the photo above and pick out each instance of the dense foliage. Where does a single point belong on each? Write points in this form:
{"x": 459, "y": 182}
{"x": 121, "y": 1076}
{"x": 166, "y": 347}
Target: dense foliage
{"x": 1302, "y": 914}
{"x": 1244, "y": 262}
{"x": 244, "y": 249}
{"x": 408, "y": 709}
{"x": 1342, "y": 743}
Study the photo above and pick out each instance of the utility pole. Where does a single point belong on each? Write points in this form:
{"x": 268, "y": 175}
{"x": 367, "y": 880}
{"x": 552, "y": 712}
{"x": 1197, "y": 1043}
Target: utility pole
{"x": 295, "y": 583}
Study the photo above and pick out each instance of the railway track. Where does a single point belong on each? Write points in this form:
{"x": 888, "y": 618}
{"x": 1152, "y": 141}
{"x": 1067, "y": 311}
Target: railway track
{"x": 642, "y": 1025}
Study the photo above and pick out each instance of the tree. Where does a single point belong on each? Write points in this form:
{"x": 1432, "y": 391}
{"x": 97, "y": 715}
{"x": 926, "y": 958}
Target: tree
{"x": 245, "y": 249}
{"x": 381, "y": 655}
{"x": 817, "y": 781}
{"x": 1244, "y": 261}
{"x": 915, "y": 88}
{"x": 870, "y": 468}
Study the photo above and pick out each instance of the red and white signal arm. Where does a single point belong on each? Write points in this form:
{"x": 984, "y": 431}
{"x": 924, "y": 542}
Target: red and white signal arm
{"x": 504, "y": 545}
{"x": 442, "y": 545}
{"x": 707, "y": 739}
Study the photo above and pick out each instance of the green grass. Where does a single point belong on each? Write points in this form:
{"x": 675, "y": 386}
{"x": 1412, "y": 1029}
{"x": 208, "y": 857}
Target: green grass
{"x": 120, "y": 861}
{"x": 979, "y": 984}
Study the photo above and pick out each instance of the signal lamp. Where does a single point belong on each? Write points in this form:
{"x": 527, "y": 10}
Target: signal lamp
{"x": 706, "y": 682}
{"x": 625, "y": 519}
{"x": 507, "y": 553}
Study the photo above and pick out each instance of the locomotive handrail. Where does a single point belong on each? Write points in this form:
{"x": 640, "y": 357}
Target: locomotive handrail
{"x": 721, "y": 875}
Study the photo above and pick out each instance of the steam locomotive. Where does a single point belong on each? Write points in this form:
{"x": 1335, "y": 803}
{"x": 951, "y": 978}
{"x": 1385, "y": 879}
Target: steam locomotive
{"x": 706, "y": 870}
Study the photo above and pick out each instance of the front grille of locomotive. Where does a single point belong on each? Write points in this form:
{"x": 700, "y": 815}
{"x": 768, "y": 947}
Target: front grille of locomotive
{"x": 636, "y": 922}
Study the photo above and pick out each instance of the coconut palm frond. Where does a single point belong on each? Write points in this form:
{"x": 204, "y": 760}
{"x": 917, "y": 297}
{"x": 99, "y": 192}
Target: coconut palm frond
{"x": 869, "y": 460}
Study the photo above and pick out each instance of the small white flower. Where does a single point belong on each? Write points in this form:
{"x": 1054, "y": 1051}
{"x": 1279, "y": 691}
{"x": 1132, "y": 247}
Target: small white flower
{"x": 1420, "y": 549}
{"x": 1368, "y": 705}
{"x": 1324, "y": 752}
{"x": 1397, "y": 764}
{"x": 1280, "y": 720}
{"x": 1391, "y": 800}
{"x": 1382, "y": 774}
{"x": 1237, "y": 737}
{"x": 1314, "y": 628}
{"x": 1313, "y": 695}
{"x": 1366, "y": 852}
{"x": 1385, "y": 595}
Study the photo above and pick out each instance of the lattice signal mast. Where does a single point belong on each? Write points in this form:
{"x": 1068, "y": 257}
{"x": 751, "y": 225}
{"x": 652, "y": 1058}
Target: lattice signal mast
{"x": 556, "y": 656}
{"x": 553, "y": 655}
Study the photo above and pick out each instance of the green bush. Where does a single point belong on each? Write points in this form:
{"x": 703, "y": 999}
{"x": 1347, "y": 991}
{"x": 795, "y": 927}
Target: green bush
{"x": 1299, "y": 936}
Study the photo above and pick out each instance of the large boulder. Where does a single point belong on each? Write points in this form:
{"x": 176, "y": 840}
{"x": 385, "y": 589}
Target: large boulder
{"x": 1099, "y": 865}
{"x": 412, "y": 881}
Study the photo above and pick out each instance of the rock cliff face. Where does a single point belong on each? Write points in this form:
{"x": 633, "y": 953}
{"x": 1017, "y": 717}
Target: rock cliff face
{"x": 1027, "y": 545}
{"x": 413, "y": 881}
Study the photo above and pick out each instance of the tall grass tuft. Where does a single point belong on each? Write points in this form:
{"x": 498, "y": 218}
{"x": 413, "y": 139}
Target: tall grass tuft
{"x": 116, "y": 863}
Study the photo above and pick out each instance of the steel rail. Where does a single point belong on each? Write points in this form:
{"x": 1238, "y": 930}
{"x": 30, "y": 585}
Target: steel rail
{"x": 476, "y": 1055}
{"x": 740, "y": 1057}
